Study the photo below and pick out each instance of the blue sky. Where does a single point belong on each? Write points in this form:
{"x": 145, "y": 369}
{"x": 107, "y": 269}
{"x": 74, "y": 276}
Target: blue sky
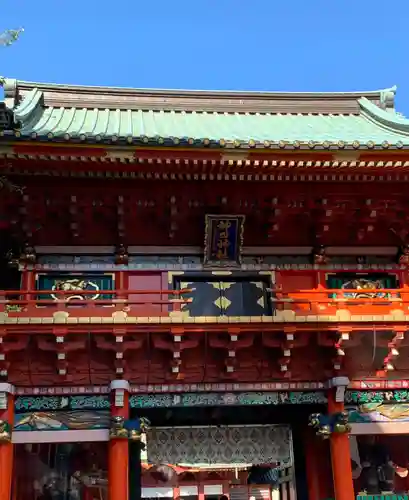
{"x": 292, "y": 45}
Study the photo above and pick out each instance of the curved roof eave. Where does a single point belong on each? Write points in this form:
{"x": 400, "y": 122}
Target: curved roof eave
{"x": 390, "y": 120}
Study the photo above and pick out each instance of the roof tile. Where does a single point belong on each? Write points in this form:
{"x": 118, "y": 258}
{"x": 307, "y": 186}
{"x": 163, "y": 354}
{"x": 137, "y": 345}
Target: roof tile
{"x": 368, "y": 124}
{"x": 156, "y": 124}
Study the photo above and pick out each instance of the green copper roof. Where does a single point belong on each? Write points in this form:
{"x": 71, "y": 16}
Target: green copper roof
{"x": 51, "y": 112}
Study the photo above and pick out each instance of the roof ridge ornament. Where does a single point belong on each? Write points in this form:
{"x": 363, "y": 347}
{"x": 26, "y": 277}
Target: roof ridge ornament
{"x": 10, "y": 91}
{"x": 7, "y": 118}
{"x": 387, "y": 100}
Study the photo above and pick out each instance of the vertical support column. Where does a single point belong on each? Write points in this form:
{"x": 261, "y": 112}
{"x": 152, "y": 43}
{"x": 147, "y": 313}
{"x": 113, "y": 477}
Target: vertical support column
{"x": 312, "y": 465}
{"x": 118, "y": 445}
{"x": 340, "y": 450}
{"x": 318, "y": 467}
{"x": 6, "y": 447}
{"x": 28, "y": 282}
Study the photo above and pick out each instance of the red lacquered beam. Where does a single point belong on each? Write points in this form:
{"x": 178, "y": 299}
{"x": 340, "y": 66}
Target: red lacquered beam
{"x": 95, "y": 292}
{"x": 350, "y": 290}
{"x": 96, "y": 301}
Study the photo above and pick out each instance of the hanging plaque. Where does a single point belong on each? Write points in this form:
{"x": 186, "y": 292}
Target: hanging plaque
{"x": 223, "y": 240}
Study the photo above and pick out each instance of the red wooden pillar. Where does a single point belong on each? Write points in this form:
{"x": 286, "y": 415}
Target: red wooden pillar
{"x": 312, "y": 465}
{"x": 6, "y": 448}
{"x": 340, "y": 450}
{"x": 318, "y": 467}
{"x": 118, "y": 459}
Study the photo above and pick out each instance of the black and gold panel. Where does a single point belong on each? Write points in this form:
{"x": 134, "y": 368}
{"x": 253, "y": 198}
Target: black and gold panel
{"x": 205, "y": 297}
{"x": 226, "y": 295}
{"x": 75, "y": 286}
{"x": 361, "y": 282}
{"x": 245, "y": 298}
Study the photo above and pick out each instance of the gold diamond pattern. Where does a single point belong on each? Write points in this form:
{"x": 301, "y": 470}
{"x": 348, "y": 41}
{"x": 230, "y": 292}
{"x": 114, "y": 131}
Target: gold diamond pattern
{"x": 226, "y": 285}
{"x": 261, "y": 302}
{"x": 215, "y": 284}
{"x": 222, "y": 302}
{"x": 185, "y": 284}
{"x": 258, "y": 284}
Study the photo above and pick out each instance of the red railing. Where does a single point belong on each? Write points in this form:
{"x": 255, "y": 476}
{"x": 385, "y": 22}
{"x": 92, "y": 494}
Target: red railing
{"x": 325, "y": 301}
{"x": 353, "y": 296}
{"x": 20, "y": 300}
{"x": 316, "y": 301}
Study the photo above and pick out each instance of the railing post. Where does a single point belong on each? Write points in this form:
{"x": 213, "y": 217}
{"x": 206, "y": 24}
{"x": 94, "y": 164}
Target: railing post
{"x": 339, "y": 442}
{"x": 118, "y": 460}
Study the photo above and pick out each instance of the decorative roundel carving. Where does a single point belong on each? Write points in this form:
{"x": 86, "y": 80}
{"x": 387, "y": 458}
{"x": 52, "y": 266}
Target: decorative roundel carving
{"x": 76, "y": 286}
{"x": 362, "y": 284}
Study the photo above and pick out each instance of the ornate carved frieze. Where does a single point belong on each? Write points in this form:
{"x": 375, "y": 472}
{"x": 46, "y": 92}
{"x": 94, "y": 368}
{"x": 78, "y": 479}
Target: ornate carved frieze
{"x": 24, "y": 404}
{"x": 226, "y": 399}
{"x": 87, "y": 263}
{"x": 55, "y": 406}
{"x": 54, "y": 403}
{"x": 378, "y": 397}
{"x": 62, "y": 420}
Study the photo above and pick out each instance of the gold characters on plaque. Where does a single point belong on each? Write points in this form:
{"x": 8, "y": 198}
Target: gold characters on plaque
{"x": 223, "y": 241}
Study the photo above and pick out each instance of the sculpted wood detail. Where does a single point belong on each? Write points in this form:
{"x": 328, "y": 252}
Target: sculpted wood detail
{"x": 287, "y": 215}
{"x": 151, "y": 358}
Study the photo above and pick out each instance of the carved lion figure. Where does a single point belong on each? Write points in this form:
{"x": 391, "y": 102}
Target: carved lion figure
{"x": 362, "y": 285}
{"x": 5, "y": 433}
{"x": 117, "y": 430}
{"x": 74, "y": 285}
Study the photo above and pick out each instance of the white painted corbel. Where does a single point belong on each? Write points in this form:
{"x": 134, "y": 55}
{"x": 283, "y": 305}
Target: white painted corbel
{"x": 339, "y": 384}
{"x": 119, "y": 387}
{"x": 5, "y": 390}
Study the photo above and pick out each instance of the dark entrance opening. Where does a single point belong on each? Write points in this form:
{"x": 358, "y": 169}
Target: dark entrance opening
{"x": 295, "y": 416}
